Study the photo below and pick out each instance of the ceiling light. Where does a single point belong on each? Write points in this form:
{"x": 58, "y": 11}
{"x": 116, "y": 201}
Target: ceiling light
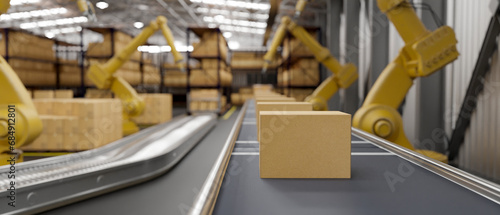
{"x": 102, "y": 5}
{"x": 138, "y": 25}
{"x": 232, "y": 13}
{"x": 227, "y": 34}
{"x": 56, "y": 22}
{"x": 242, "y": 29}
{"x": 33, "y": 13}
{"x": 142, "y": 7}
{"x": 232, "y": 3}
{"x": 50, "y": 35}
{"x": 53, "y": 32}
{"x": 221, "y": 20}
{"x": 233, "y": 44}
{"x": 20, "y": 2}
{"x": 158, "y": 49}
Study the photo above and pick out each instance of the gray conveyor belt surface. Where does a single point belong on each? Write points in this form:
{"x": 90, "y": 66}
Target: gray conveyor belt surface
{"x": 419, "y": 191}
{"x": 172, "y": 193}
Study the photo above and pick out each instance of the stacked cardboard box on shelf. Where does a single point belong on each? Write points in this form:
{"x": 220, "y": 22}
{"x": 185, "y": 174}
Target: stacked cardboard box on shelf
{"x": 98, "y": 94}
{"x": 130, "y": 71}
{"x": 303, "y": 72}
{"x": 49, "y": 94}
{"x": 175, "y": 79}
{"x": 210, "y": 77}
{"x": 294, "y": 47}
{"x": 206, "y": 100}
{"x": 26, "y": 45}
{"x": 77, "y": 124}
{"x": 207, "y": 47}
{"x": 31, "y": 57}
{"x": 212, "y": 51}
{"x": 157, "y": 109}
{"x": 69, "y": 73}
{"x": 105, "y": 48}
{"x": 151, "y": 74}
{"x": 63, "y": 94}
{"x": 247, "y": 60}
{"x": 114, "y": 41}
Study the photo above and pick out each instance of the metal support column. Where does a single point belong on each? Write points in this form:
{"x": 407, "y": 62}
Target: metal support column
{"x": 332, "y": 43}
{"x": 351, "y": 52}
{"x": 379, "y": 28}
{"x": 431, "y": 105}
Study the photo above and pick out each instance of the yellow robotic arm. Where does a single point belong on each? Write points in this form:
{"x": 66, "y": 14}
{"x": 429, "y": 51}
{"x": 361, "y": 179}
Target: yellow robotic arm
{"x": 19, "y": 121}
{"x": 104, "y": 77}
{"x": 87, "y": 9}
{"x": 277, "y": 40}
{"x": 280, "y": 35}
{"x": 424, "y": 53}
{"x": 343, "y": 76}
{"x": 167, "y": 33}
{"x": 299, "y": 7}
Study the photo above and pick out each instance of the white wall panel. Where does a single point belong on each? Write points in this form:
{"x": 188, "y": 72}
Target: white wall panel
{"x": 481, "y": 148}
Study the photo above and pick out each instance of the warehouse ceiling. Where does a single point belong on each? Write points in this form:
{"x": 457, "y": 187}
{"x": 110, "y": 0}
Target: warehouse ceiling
{"x": 242, "y": 21}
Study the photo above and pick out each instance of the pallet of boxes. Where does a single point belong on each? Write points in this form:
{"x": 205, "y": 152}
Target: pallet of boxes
{"x": 31, "y": 57}
{"x": 76, "y": 124}
{"x": 300, "y": 73}
{"x": 113, "y": 42}
{"x": 213, "y": 74}
{"x": 296, "y": 142}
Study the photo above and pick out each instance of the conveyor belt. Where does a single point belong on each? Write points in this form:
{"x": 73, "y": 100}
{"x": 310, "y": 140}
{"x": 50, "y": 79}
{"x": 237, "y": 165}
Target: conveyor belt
{"x": 385, "y": 180}
{"x": 172, "y": 193}
{"x": 57, "y": 181}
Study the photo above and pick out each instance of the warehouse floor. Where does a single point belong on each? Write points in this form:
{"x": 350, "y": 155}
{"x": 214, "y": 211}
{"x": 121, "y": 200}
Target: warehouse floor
{"x": 172, "y": 193}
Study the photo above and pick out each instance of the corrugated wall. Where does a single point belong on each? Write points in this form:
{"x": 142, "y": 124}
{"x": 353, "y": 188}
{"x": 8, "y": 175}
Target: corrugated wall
{"x": 481, "y": 149}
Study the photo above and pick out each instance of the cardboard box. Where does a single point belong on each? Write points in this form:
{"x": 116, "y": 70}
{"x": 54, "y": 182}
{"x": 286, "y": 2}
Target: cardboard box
{"x": 213, "y": 64}
{"x": 305, "y": 144}
{"x": 175, "y": 79}
{"x": 157, "y": 109}
{"x": 257, "y": 88}
{"x": 97, "y": 93}
{"x": 63, "y": 94}
{"x": 280, "y": 106}
{"x": 70, "y": 75}
{"x": 300, "y": 94}
{"x": 25, "y": 45}
{"x": 297, "y": 77}
{"x": 274, "y": 99}
{"x": 69, "y": 122}
{"x": 212, "y": 44}
{"x": 43, "y": 94}
{"x": 209, "y": 78}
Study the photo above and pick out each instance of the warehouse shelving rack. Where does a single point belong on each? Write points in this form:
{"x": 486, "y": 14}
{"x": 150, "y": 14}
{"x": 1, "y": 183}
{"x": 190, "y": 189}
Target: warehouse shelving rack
{"x": 290, "y": 59}
{"x": 222, "y": 90}
{"x": 8, "y": 57}
{"x": 156, "y": 62}
{"x": 253, "y": 73}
